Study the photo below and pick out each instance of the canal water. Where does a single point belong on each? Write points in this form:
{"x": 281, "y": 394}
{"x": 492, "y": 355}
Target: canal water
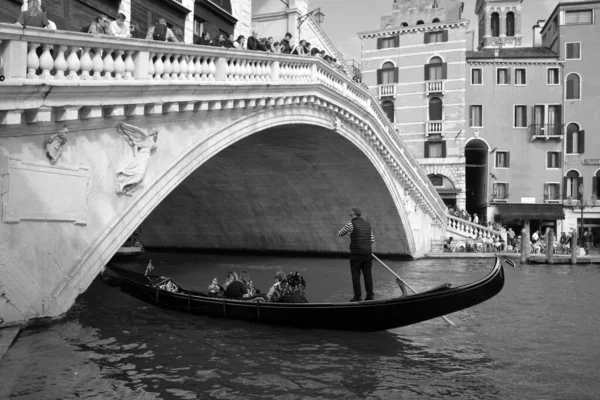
{"x": 538, "y": 339}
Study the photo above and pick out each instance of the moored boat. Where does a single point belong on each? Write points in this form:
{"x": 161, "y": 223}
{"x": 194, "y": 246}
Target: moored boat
{"x": 372, "y": 315}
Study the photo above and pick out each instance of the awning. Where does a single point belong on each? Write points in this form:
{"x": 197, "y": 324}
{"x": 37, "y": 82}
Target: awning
{"x": 531, "y": 211}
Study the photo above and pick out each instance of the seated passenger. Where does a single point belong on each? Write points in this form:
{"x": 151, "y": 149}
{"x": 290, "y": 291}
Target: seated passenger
{"x": 279, "y": 277}
{"x": 290, "y": 290}
{"x": 214, "y": 287}
{"x": 245, "y": 278}
{"x": 235, "y": 289}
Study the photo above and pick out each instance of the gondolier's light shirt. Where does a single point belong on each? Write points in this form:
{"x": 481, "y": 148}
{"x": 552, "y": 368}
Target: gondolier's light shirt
{"x": 349, "y": 227}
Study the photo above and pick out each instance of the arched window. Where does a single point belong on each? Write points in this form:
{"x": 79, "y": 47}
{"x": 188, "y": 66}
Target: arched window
{"x": 510, "y": 24}
{"x": 419, "y": 22}
{"x": 575, "y": 139}
{"x": 388, "y": 108}
{"x": 436, "y": 180}
{"x": 435, "y": 20}
{"x": 404, "y": 24}
{"x": 573, "y": 87}
{"x": 435, "y": 109}
{"x": 572, "y": 182}
{"x": 388, "y": 74}
{"x": 436, "y": 69}
{"x": 495, "y": 21}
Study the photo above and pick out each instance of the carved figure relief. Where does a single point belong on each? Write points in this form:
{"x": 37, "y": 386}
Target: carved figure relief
{"x": 337, "y": 123}
{"x": 54, "y": 145}
{"x": 142, "y": 143}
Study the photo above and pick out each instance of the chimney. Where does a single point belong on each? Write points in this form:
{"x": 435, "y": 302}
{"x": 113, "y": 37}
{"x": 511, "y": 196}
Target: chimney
{"x": 537, "y": 29}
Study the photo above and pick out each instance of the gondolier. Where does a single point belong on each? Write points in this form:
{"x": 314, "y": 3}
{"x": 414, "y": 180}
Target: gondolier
{"x": 361, "y": 240}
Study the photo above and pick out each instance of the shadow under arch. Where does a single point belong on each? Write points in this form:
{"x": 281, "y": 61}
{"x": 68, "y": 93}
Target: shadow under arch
{"x": 159, "y": 185}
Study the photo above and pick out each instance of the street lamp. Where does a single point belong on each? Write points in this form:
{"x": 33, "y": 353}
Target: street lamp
{"x": 582, "y": 205}
{"x": 318, "y": 15}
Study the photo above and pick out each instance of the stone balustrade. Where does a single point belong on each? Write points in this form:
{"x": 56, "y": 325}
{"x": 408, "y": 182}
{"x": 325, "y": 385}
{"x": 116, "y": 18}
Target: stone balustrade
{"x": 469, "y": 229}
{"x": 435, "y": 127}
{"x": 35, "y": 56}
{"x": 434, "y": 87}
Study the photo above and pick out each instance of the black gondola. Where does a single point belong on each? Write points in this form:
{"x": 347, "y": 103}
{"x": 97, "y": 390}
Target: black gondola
{"x": 373, "y": 315}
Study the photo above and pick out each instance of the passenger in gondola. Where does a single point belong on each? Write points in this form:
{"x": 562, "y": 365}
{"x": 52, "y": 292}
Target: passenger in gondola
{"x": 234, "y": 288}
{"x": 279, "y": 277}
{"x": 214, "y": 288}
{"x": 245, "y": 278}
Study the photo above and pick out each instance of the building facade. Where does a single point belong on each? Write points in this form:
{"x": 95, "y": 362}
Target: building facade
{"x": 415, "y": 64}
{"x": 517, "y": 127}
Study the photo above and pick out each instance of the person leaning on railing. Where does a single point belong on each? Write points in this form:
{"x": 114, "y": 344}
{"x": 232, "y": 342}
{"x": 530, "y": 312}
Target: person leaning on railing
{"x": 34, "y": 16}
{"x": 161, "y": 32}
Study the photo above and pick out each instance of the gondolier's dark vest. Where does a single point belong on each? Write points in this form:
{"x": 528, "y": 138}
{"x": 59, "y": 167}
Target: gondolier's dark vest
{"x": 360, "y": 238}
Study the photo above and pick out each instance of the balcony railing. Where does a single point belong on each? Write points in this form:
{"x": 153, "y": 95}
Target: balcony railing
{"x": 546, "y": 131}
{"x": 435, "y": 127}
{"x": 387, "y": 90}
{"x": 432, "y": 87}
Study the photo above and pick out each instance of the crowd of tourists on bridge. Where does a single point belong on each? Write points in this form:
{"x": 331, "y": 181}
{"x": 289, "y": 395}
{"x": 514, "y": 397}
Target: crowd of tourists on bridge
{"x": 36, "y": 16}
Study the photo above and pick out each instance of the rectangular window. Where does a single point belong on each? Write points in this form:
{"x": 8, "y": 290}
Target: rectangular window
{"x": 388, "y": 76}
{"x": 573, "y": 51}
{"x": 387, "y": 43}
{"x": 551, "y": 191}
{"x": 436, "y": 37}
{"x": 476, "y": 76}
{"x": 500, "y": 191}
{"x": 520, "y": 117}
{"x": 502, "y": 159}
{"x": 578, "y": 17}
{"x": 553, "y": 159}
{"x": 502, "y": 76}
{"x": 476, "y": 116}
{"x": 520, "y": 76}
{"x": 435, "y": 149}
{"x": 553, "y": 76}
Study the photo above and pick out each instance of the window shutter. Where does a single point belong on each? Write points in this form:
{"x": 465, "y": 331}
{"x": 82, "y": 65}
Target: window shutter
{"x": 595, "y": 186}
{"x": 581, "y": 142}
{"x": 548, "y": 160}
{"x": 426, "y": 37}
{"x": 426, "y": 149}
{"x": 546, "y": 192}
{"x": 495, "y": 191}
{"x": 559, "y": 159}
{"x": 397, "y": 41}
{"x": 507, "y": 192}
{"x": 565, "y": 183}
{"x": 379, "y": 76}
{"x": 379, "y": 43}
{"x": 508, "y": 76}
{"x": 569, "y": 142}
{"x": 579, "y": 183}
{"x": 508, "y": 159}
{"x": 445, "y": 71}
{"x": 426, "y": 72}
{"x": 570, "y": 89}
{"x": 471, "y": 116}
{"x": 444, "y": 149}
{"x": 396, "y": 74}
{"x": 445, "y": 35}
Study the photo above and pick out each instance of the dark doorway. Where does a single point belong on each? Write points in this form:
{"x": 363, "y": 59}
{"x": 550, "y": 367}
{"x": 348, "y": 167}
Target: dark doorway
{"x": 476, "y": 157}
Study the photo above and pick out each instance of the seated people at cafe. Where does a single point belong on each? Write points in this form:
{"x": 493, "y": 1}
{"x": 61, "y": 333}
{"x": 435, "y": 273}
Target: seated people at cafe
{"x": 518, "y": 244}
{"x": 478, "y": 245}
{"x": 448, "y": 245}
{"x": 497, "y": 246}
{"x": 469, "y": 245}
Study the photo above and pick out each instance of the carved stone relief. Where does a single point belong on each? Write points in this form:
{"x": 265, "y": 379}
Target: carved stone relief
{"x": 54, "y": 145}
{"x": 142, "y": 143}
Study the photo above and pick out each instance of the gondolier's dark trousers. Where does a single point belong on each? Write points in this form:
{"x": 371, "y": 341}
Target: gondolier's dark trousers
{"x": 361, "y": 263}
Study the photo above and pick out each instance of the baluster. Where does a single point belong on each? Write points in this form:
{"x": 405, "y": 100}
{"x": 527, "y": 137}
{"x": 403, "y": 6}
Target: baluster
{"x": 46, "y": 62}
{"x": 176, "y": 67}
{"x": 98, "y": 64}
{"x": 159, "y": 66}
{"x": 109, "y": 65}
{"x": 130, "y": 65}
{"x": 86, "y": 64}
{"x": 73, "y": 64}
{"x": 60, "y": 64}
{"x": 205, "y": 68}
{"x": 212, "y": 68}
{"x": 168, "y": 67}
{"x": 268, "y": 70}
{"x": 33, "y": 61}
{"x": 183, "y": 68}
{"x": 197, "y": 68}
{"x": 244, "y": 70}
{"x": 119, "y": 65}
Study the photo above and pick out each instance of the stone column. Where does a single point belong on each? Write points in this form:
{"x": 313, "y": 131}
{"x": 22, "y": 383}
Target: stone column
{"x": 502, "y": 22}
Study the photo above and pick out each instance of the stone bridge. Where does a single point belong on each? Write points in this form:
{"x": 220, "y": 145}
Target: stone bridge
{"x": 254, "y": 151}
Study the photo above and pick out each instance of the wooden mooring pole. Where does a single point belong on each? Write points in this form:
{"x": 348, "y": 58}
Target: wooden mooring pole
{"x": 574, "y": 248}
{"x": 550, "y": 245}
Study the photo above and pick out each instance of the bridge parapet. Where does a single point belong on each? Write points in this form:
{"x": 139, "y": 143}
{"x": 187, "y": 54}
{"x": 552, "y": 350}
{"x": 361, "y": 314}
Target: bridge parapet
{"x": 110, "y": 77}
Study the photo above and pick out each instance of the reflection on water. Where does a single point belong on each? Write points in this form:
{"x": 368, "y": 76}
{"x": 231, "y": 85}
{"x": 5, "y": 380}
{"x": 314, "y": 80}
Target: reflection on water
{"x": 536, "y": 339}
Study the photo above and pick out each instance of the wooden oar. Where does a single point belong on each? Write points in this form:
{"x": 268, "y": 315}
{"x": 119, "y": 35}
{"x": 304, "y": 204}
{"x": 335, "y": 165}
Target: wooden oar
{"x": 403, "y": 282}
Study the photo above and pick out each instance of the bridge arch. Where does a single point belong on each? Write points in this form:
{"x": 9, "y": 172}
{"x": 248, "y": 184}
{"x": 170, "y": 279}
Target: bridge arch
{"x": 159, "y": 184}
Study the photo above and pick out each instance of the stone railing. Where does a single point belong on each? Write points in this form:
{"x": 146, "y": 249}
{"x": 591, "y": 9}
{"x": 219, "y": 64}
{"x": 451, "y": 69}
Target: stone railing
{"x": 469, "y": 229}
{"x": 435, "y": 127}
{"x": 387, "y": 90}
{"x": 434, "y": 87}
{"x": 78, "y": 61}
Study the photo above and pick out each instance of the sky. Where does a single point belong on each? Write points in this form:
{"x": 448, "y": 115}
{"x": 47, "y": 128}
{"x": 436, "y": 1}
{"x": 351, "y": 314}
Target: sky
{"x": 345, "y": 18}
